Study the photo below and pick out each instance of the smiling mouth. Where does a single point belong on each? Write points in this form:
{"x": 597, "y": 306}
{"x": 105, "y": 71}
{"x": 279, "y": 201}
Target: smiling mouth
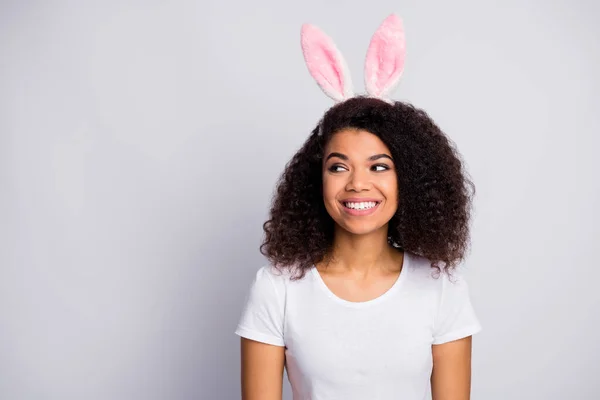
{"x": 360, "y": 206}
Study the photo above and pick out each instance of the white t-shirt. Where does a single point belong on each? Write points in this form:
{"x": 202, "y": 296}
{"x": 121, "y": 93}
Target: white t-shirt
{"x": 377, "y": 350}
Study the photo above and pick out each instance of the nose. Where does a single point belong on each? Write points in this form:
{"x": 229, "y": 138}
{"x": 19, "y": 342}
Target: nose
{"x": 358, "y": 181}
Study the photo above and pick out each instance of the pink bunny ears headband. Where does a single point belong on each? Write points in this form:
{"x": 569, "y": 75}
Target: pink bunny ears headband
{"x": 383, "y": 66}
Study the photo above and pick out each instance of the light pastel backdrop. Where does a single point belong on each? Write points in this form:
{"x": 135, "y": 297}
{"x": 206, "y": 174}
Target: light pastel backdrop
{"x": 140, "y": 142}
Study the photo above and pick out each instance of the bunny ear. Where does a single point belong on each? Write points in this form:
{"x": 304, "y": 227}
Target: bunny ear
{"x": 385, "y": 58}
{"x": 325, "y": 63}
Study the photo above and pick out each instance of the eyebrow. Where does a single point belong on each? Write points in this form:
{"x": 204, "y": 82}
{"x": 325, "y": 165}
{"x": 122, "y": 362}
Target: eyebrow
{"x": 345, "y": 157}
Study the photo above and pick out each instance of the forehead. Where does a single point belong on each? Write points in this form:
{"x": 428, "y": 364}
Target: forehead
{"x": 357, "y": 143}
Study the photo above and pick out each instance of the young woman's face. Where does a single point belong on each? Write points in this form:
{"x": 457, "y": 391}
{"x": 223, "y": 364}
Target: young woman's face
{"x": 360, "y": 186}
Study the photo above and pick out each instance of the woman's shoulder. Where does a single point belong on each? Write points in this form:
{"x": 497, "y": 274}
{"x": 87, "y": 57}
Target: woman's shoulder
{"x": 279, "y": 276}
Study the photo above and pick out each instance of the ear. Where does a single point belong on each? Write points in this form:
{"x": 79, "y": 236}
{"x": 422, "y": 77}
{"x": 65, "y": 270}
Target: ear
{"x": 385, "y": 58}
{"x": 325, "y": 63}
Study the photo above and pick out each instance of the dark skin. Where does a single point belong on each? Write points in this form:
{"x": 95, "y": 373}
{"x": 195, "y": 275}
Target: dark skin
{"x": 434, "y": 208}
{"x": 362, "y": 265}
{"x": 262, "y": 370}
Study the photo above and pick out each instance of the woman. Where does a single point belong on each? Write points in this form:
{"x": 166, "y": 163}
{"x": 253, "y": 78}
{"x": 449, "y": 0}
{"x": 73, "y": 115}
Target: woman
{"x": 362, "y": 298}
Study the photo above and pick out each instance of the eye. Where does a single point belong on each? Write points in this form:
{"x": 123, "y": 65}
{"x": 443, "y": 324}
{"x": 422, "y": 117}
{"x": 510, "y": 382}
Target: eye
{"x": 380, "y": 167}
{"x": 336, "y": 168}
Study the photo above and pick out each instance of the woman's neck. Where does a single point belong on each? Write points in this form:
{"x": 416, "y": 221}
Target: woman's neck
{"x": 363, "y": 254}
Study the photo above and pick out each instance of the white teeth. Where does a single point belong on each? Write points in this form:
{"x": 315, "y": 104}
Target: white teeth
{"x": 361, "y": 206}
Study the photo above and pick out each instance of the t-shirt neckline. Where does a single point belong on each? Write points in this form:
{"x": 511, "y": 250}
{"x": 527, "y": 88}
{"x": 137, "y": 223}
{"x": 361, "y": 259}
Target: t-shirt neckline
{"x": 368, "y": 303}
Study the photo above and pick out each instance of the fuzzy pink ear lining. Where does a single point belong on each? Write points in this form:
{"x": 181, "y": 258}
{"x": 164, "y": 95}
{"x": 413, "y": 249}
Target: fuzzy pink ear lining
{"x": 325, "y": 63}
{"x": 385, "y": 58}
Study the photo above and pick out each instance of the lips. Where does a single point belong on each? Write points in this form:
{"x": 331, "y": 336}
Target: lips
{"x": 360, "y": 206}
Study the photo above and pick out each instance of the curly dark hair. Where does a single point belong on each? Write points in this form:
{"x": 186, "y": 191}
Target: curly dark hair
{"x": 434, "y": 199}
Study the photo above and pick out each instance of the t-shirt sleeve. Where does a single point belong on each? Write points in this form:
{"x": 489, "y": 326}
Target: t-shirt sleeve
{"x": 456, "y": 317}
{"x": 262, "y": 317}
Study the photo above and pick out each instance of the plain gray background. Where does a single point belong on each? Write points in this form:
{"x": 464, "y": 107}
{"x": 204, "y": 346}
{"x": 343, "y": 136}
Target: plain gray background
{"x": 139, "y": 146}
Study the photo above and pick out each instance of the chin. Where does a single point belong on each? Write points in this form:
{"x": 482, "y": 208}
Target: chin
{"x": 361, "y": 229}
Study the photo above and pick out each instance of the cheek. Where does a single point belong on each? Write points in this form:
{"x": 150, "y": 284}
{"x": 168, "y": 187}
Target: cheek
{"x": 331, "y": 188}
{"x": 389, "y": 188}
